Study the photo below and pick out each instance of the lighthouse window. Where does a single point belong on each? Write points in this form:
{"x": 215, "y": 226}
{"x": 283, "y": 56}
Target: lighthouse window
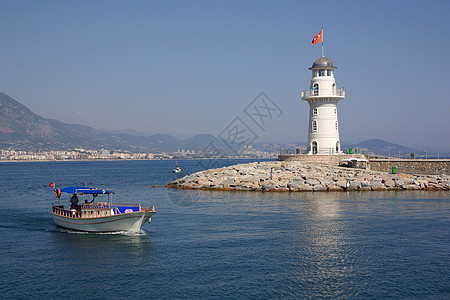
{"x": 336, "y": 125}
{"x": 315, "y": 111}
{"x": 315, "y": 89}
{"x": 335, "y": 111}
{"x": 322, "y": 72}
{"x": 329, "y": 72}
{"x": 314, "y": 126}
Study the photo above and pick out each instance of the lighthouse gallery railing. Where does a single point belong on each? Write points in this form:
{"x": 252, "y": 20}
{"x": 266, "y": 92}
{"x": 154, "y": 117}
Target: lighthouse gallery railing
{"x": 323, "y": 92}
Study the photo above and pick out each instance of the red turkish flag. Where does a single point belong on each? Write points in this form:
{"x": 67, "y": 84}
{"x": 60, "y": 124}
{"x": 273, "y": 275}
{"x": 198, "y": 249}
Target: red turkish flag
{"x": 318, "y": 38}
{"x": 51, "y": 184}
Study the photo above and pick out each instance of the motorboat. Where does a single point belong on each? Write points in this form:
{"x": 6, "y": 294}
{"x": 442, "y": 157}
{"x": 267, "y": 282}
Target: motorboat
{"x": 177, "y": 169}
{"x": 91, "y": 216}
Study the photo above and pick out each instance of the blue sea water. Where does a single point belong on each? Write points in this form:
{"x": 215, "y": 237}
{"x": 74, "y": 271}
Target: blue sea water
{"x": 227, "y": 245}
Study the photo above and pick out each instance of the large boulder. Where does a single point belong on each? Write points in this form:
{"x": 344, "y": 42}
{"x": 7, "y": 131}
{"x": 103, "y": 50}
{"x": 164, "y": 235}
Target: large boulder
{"x": 320, "y": 188}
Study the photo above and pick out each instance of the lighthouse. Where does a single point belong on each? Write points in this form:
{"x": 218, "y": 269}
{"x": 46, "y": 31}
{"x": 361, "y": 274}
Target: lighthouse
{"x": 322, "y": 97}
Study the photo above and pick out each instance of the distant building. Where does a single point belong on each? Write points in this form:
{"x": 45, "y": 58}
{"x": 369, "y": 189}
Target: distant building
{"x": 104, "y": 152}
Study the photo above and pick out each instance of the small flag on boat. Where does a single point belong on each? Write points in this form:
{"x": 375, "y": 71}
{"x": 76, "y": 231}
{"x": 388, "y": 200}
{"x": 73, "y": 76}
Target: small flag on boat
{"x": 318, "y": 38}
{"x": 51, "y": 184}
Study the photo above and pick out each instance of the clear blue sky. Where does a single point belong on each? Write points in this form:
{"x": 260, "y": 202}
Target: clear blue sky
{"x": 189, "y": 67}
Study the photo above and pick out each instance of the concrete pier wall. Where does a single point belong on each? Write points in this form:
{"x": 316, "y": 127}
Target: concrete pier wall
{"x": 412, "y": 166}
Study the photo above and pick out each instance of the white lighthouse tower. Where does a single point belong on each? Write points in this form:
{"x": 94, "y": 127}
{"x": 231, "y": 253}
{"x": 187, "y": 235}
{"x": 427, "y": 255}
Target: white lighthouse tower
{"x": 323, "y": 96}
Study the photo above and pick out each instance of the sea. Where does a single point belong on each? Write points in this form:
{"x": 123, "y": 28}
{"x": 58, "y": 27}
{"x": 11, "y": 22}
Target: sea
{"x": 219, "y": 245}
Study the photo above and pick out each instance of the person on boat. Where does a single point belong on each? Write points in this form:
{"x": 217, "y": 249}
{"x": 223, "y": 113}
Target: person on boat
{"x": 93, "y": 198}
{"x": 89, "y": 202}
{"x": 74, "y": 201}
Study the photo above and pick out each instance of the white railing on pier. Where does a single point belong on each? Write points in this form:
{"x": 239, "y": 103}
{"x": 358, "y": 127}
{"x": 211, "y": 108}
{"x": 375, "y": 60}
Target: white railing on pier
{"x": 323, "y": 93}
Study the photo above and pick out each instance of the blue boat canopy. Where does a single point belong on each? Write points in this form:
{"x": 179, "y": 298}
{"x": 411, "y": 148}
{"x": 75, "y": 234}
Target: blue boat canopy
{"x": 85, "y": 190}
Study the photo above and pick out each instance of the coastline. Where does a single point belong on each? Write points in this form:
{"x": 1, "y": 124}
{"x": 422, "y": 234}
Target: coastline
{"x": 276, "y": 176}
{"x": 141, "y": 159}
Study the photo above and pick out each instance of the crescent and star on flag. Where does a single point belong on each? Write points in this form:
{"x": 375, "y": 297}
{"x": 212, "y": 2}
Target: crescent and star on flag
{"x": 318, "y": 39}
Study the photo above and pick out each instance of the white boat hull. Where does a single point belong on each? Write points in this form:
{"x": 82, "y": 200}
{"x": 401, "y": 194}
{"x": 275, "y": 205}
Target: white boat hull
{"x": 121, "y": 222}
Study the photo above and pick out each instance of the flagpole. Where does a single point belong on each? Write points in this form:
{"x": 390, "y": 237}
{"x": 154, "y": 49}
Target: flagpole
{"x": 322, "y": 41}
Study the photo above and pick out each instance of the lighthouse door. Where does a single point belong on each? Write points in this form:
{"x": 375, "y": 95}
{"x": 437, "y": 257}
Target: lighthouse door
{"x": 314, "y": 147}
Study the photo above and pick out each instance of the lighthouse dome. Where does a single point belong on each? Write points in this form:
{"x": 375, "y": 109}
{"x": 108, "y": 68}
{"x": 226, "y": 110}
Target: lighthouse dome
{"x": 323, "y": 63}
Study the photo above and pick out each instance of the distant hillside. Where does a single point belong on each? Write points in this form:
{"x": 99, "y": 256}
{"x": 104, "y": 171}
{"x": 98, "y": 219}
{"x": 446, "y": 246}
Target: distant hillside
{"x": 382, "y": 147}
{"x": 21, "y": 129}
{"x": 20, "y": 126}
{"x": 127, "y": 131}
{"x": 202, "y": 141}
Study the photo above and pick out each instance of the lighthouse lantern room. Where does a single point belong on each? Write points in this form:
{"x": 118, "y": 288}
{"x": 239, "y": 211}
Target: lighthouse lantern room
{"x": 323, "y": 96}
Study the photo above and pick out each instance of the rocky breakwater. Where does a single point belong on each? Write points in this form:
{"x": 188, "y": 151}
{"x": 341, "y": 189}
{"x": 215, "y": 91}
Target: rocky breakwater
{"x": 276, "y": 176}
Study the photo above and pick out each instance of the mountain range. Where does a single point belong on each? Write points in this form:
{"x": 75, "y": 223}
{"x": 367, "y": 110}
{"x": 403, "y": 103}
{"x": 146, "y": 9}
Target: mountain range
{"x": 382, "y": 147}
{"x": 21, "y": 129}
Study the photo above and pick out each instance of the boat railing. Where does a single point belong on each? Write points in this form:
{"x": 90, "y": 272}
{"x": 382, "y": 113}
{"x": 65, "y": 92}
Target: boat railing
{"x": 86, "y": 213}
{"x": 150, "y": 208}
{"x": 96, "y": 210}
{"x": 94, "y": 206}
{"x": 104, "y": 204}
{"x": 125, "y": 204}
